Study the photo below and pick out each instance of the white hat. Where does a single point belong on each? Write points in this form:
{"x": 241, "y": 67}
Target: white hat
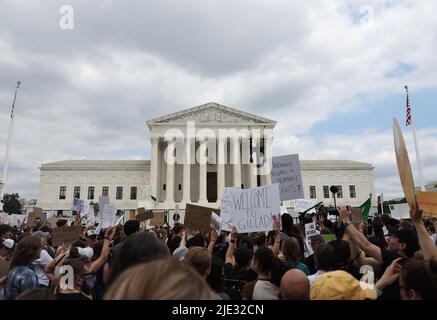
{"x": 9, "y": 243}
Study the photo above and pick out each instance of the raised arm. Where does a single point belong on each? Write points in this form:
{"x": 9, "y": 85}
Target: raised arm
{"x": 359, "y": 239}
{"x": 232, "y": 246}
{"x": 212, "y": 242}
{"x": 277, "y": 232}
{"x": 100, "y": 261}
{"x": 427, "y": 245}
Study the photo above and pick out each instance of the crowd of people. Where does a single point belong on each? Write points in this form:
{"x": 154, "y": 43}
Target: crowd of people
{"x": 382, "y": 259}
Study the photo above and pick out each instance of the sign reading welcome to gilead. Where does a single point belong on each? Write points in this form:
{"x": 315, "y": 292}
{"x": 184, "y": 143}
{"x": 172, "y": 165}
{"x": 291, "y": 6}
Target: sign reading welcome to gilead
{"x": 252, "y": 209}
{"x": 286, "y": 172}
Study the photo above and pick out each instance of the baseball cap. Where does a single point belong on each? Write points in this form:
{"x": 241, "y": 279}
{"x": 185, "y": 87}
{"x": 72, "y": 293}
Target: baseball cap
{"x": 340, "y": 285}
{"x": 9, "y": 243}
{"x": 407, "y": 236}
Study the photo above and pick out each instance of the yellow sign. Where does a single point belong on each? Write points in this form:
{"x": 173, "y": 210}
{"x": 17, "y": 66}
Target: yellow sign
{"x": 428, "y": 203}
{"x": 404, "y": 166}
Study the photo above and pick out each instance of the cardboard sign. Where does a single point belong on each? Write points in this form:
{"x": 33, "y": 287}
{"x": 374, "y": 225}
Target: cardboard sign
{"x": 251, "y": 210}
{"x": 144, "y": 214}
{"x": 4, "y": 267}
{"x": 158, "y": 219}
{"x": 301, "y": 205}
{"x": 35, "y": 214}
{"x": 428, "y": 203}
{"x": 310, "y": 229}
{"x": 53, "y": 222}
{"x": 216, "y": 222}
{"x": 108, "y": 215}
{"x": 404, "y": 166}
{"x": 286, "y": 172}
{"x": 357, "y": 217}
{"x": 197, "y": 218}
{"x": 66, "y": 235}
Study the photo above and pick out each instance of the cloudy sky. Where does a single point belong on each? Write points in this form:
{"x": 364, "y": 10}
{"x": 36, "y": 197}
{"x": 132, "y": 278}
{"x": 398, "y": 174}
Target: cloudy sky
{"x": 330, "y": 72}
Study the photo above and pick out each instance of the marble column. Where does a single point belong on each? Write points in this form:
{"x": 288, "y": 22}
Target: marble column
{"x": 154, "y": 176}
{"x": 236, "y": 162}
{"x": 202, "y": 171}
{"x": 221, "y": 161}
{"x": 170, "y": 160}
{"x": 186, "y": 196}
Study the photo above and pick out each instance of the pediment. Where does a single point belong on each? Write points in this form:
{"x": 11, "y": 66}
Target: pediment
{"x": 211, "y": 113}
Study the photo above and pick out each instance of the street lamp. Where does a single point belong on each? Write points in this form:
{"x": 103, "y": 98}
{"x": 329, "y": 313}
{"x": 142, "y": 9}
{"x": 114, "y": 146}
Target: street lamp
{"x": 334, "y": 190}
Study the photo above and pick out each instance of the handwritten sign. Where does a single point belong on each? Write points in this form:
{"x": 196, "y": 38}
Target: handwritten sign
{"x": 66, "y": 235}
{"x": 301, "y": 205}
{"x": 108, "y": 216}
{"x": 216, "y": 222}
{"x": 158, "y": 219}
{"x": 428, "y": 203}
{"x": 310, "y": 229}
{"x": 197, "y": 217}
{"x": 286, "y": 172}
{"x": 144, "y": 214}
{"x": 404, "y": 167}
{"x": 251, "y": 210}
{"x": 226, "y": 207}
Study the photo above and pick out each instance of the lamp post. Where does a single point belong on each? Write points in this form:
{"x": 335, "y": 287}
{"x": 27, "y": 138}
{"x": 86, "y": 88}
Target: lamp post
{"x": 334, "y": 190}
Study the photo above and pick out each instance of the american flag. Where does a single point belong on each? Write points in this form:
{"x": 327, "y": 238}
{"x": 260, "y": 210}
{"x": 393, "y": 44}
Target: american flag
{"x": 408, "y": 118}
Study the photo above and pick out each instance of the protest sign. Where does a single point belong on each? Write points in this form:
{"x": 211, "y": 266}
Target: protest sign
{"x": 301, "y": 205}
{"x": 428, "y": 203}
{"x": 108, "y": 215}
{"x": 53, "y": 222}
{"x": 66, "y": 235}
{"x": 399, "y": 211}
{"x": 404, "y": 167}
{"x": 310, "y": 229}
{"x": 3, "y": 218}
{"x": 34, "y": 215}
{"x": 286, "y": 172}
{"x": 251, "y": 210}
{"x": 158, "y": 219}
{"x": 225, "y": 207}
{"x": 4, "y": 267}
{"x": 197, "y": 217}
{"x": 87, "y": 210}
{"x": 144, "y": 214}
{"x": 216, "y": 222}
{"x": 78, "y": 205}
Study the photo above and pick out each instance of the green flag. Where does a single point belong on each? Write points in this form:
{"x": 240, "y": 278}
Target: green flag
{"x": 365, "y": 207}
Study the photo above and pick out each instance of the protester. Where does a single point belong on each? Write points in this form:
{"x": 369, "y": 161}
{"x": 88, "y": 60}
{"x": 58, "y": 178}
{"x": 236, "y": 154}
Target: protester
{"x": 21, "y": 276}
{"x": 40, "y": 264}
{"x": 216, "y": 279}
{"x": 291, "y": 254}
{"x": 294, "y": 286}
{"x": 162, "y": 279}
{"x": 324, "y": 257}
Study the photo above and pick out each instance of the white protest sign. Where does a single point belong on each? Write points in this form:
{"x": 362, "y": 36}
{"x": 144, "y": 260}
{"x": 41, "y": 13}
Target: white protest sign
{"x": 87, "y": 209}
{"x": 400, "y": 211}
{"x": 283, "y": 210}
{"x": 252, "y": 209}
{"x": 225, "y": 207}
{"x": 216, "y": 222}
{"x": 310, "y": 229}
{"x": 301, "y": 205}
{"x": 286, "y": 172}
{"x": 78, "y": 205}
{"x": 108, "y": 216}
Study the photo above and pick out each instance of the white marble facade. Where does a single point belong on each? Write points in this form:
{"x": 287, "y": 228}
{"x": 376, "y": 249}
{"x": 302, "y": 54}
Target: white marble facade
{"x": 195, "y": 153}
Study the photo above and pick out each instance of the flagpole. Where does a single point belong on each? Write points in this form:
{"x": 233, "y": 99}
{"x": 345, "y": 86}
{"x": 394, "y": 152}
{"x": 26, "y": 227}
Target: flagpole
{"x": 416, "y": 148}
{"x": 8, "y": 143}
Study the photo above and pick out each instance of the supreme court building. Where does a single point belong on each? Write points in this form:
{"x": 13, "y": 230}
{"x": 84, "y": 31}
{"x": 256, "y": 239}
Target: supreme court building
{"x": 195, "y": 154}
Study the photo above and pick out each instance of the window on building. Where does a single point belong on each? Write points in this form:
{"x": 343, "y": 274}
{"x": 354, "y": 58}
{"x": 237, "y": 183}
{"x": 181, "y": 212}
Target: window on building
{"x": 105, "y": 191}
{"x": 76, "y": 193}
{"x": 179, "y": 187}
{"x": 326, "y": 192}
{"x": 313, "y": 192}
{"x": 133, "y": 193}
{"x": 340, "y": 192}
{"x": 242, "y": 186}
{"x": 119, "y": 194}
{"x": 164, "y": 187}
{"x": 91, "y": 193}
{"x": 352, "y": 192}
{"x": 62, "y": 192}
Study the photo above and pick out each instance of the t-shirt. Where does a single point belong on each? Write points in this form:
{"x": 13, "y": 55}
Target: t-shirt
{"x": 391, "y": 292}
{"x": 314, "y": 277}
{"x": 39, "y": 266}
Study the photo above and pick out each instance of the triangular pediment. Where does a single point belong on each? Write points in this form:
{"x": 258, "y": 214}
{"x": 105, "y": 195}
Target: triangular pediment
{"x": 211, "y": 113}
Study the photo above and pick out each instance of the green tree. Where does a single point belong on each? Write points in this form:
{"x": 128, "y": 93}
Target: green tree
{"x": 95, "y": 206}
{"x": 11, "y": 203}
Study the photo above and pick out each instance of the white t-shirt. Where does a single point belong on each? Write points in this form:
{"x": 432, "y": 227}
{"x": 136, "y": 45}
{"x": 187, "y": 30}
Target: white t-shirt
{"x": 265, "y": 290}
{"x": 39, "y": 267}
{"x": 313, "y": 278}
